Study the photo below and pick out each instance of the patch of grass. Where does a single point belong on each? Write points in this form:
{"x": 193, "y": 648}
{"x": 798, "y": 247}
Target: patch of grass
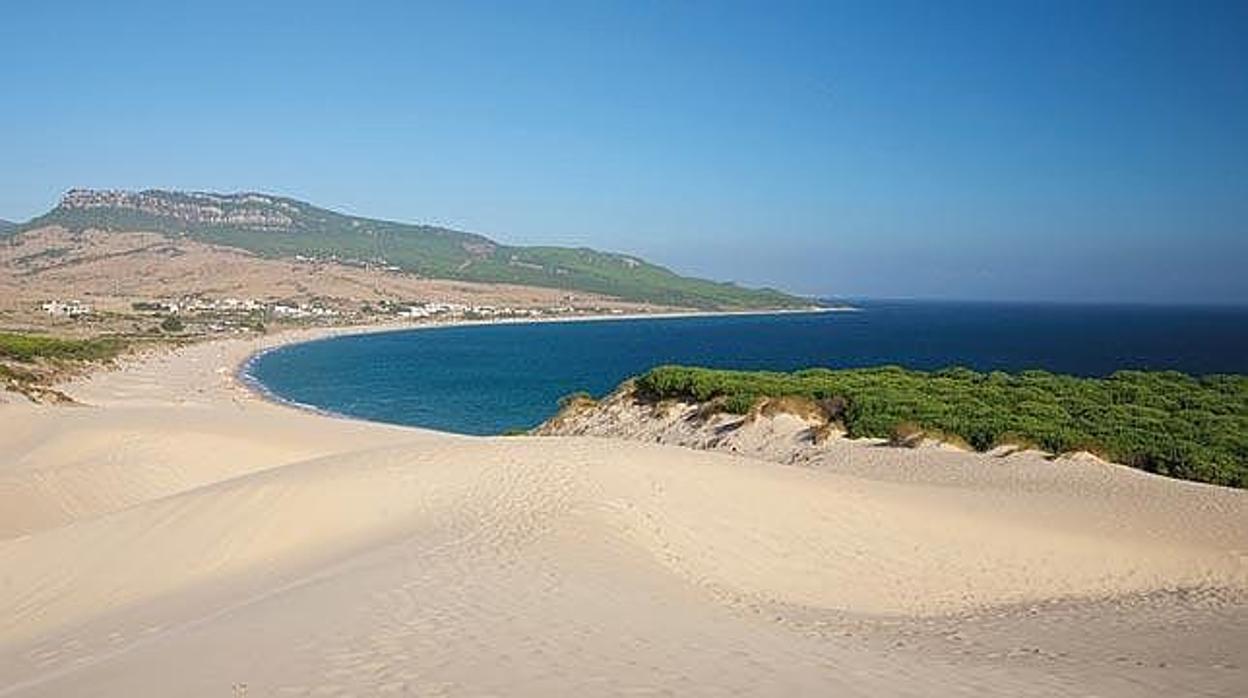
{"x": 12, "y": 374}
{"x": 28, "y": 348}
{"x": 29, "y": 383}
{"x": 796, "y": 405}
{"x": 577, "y": 399}
{"x": 907, "y": 435}
{"x": 1166, "y": 422}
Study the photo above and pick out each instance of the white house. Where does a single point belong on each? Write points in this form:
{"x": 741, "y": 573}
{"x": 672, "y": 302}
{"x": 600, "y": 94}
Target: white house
{"x": 71, "y": 308}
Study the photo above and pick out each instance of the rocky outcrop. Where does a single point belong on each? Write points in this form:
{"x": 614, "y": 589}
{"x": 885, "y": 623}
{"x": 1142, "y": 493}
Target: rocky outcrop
{"x": 251, "y": 210}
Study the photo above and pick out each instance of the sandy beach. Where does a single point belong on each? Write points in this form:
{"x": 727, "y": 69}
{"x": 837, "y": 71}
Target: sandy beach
{"x": 177, "y": 534}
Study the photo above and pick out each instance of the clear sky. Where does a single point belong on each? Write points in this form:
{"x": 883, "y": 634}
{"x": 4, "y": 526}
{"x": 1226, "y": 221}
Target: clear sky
{"x": 1048, "y": 150}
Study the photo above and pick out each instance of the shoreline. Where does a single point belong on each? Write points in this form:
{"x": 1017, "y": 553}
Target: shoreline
{"x": 801, "y": 450}
{"x": 257, "y": 387}
{"x": 181, "y": 510}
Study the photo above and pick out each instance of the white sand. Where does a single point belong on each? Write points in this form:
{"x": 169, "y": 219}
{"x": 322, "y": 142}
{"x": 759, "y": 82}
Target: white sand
{"x": 179, "y": 535}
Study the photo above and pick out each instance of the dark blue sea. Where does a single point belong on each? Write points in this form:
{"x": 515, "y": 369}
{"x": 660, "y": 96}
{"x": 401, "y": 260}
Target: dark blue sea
{"x": 488, "y": 379}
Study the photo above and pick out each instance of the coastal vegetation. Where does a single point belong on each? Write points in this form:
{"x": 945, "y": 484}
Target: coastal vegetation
{"x": 27, "y": 348}
{"x": 1164, "y": 422}
{"x": 580, "y": 397}
{"x": 30, "y": 364}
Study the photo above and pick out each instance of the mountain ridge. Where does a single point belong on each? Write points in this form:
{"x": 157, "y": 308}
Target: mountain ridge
{"x": 276, "y": 226}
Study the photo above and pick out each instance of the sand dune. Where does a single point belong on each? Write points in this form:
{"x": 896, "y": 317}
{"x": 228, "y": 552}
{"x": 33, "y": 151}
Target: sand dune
{"x": 180, "y": 536}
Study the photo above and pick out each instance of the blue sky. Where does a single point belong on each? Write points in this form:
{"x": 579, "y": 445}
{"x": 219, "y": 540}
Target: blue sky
{"x": 1086, "y": 151}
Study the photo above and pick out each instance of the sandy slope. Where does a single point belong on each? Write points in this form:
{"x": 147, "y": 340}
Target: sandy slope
{"x": 180, "y": 536}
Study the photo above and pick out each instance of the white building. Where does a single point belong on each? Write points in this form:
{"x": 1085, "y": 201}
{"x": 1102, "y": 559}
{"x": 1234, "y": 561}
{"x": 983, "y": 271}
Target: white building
{"x": 70, "y": 308}
{"x": 283, "y": 310}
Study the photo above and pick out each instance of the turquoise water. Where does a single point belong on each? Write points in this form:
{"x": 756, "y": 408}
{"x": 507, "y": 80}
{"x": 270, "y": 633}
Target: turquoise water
{"x": 487, "y": 379}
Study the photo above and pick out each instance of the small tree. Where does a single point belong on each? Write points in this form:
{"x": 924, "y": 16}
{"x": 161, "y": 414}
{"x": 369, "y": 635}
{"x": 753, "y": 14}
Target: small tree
{"x": 171, "y": 324}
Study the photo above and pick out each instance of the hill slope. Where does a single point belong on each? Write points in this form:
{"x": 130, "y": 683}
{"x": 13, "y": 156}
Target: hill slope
{"x": 273, "y": 226}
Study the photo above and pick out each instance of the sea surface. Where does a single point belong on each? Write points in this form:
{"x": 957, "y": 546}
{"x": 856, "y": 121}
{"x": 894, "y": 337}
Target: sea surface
{"x": 492, "y": 378}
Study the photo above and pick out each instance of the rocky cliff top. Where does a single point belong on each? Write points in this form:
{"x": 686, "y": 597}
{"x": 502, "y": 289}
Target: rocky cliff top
{"x": 249, "y": 209}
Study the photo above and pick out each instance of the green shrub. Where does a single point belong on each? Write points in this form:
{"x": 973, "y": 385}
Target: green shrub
{"x": 172, "y": 324}
{"x": 1165, "y": 422}
{"x": 574, "y": 399}
{"x": 9, "y": 374}
{"x": 28, "y": 347}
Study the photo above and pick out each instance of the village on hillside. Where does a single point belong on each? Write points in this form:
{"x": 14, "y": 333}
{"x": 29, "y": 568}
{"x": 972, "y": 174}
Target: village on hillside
{"x": 199, "y": 314}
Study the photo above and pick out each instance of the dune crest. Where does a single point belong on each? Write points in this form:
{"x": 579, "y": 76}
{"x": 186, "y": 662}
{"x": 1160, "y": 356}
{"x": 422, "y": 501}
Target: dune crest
{"x": 181, "y": 535}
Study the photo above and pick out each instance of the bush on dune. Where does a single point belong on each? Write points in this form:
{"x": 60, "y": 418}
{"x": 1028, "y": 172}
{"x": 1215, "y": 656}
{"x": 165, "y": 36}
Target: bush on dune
{"x": 1195, "y": 428}
{"x": 27, "y": 348}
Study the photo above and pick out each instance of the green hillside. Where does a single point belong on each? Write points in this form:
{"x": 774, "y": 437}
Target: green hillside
{"x": 274, "y": 226}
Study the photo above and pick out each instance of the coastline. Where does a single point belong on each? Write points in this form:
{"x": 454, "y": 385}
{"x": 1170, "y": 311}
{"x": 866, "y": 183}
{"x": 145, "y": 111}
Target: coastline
{"x": 254, "y": 385}
{"x": 178, "y": 509}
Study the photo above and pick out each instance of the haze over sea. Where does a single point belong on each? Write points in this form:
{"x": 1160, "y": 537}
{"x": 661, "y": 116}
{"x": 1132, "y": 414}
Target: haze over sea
{"x": 488, "y": 379}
